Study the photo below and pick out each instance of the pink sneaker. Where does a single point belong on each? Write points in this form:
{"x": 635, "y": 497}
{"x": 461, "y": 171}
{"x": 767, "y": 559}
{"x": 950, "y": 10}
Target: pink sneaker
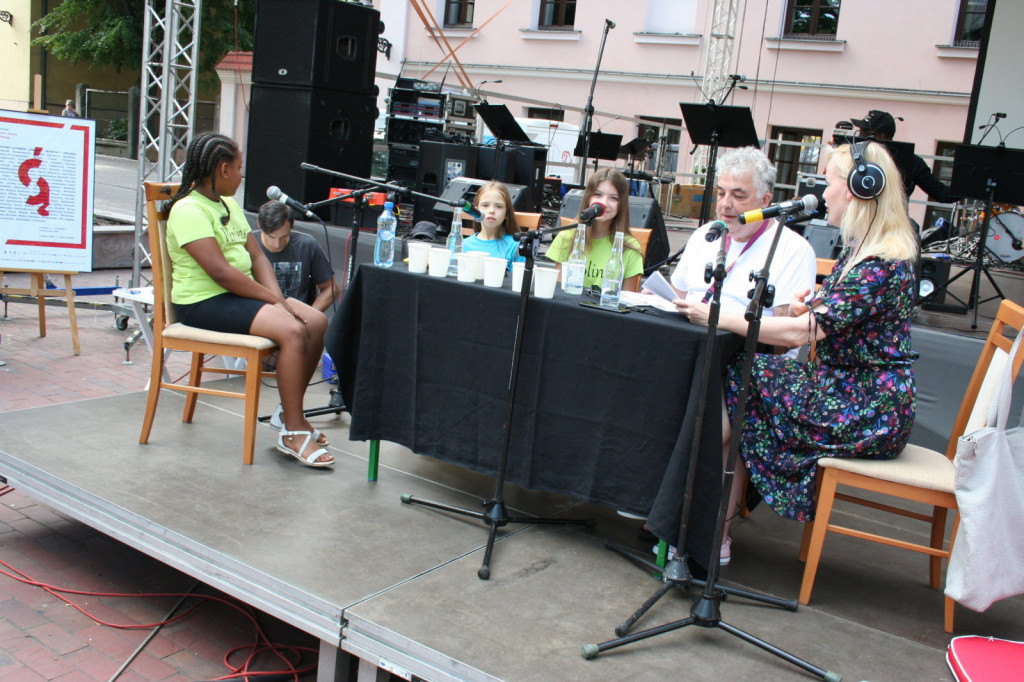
{"x": 725, "y": 554}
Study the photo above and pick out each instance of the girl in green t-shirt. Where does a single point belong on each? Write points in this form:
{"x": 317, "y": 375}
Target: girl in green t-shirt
{"x": 222, "y": 281}
{"x": 610, "y": 188}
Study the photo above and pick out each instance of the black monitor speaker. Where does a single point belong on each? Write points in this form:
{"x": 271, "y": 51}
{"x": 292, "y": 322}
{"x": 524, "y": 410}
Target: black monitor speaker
{"x": 644, "y": 212}
{"x": 328, "y": 44}
{"x": 824, "y": 239}
{"x": 523, "y": 165}
{"x": 932, "y": 279}
{"x": 290, "y": 126}
{"x": 441, "y": 162}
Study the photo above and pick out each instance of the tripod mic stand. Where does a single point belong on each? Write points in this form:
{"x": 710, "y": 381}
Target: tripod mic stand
{"x": 495, "y": 513}
{"x": 706, "y": 610}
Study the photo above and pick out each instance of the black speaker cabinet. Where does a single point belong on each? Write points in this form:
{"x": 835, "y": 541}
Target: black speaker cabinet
{"x": 328, "y": 44}
{"x": 464, "y": 189}
{"x": 824, "y": 239}
{"x": 934, "y": 273}
{"x": 442, "y": 162}
{"x": 643, "y": 212}
{"x": 524, "y": 165}
{"x": 289, "y": 126}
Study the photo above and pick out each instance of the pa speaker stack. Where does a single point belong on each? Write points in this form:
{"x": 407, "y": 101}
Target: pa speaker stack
{"x": 313, "y": 96}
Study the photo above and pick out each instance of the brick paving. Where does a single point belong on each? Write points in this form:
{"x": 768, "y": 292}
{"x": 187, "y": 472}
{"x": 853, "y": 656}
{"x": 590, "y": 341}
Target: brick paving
{"x": 41, "y": 637}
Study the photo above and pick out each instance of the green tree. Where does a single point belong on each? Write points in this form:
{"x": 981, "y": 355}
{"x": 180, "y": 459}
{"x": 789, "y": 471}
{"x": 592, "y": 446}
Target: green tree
{"x": 108, "y": 33}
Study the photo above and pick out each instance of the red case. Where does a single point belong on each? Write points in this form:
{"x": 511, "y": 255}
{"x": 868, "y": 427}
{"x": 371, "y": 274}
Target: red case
{"x": 985, "y": 659}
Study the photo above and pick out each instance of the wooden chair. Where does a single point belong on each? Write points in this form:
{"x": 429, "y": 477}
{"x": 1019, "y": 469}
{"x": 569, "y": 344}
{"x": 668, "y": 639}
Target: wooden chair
{"x": 642, "y": 235}
{"x": 530, "y": 221}
{"x": 918, "y": 474}
{"x": 169, "y": 334}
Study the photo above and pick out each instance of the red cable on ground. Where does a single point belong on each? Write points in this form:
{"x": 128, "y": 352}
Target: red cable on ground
{"x": 262, "y": 645}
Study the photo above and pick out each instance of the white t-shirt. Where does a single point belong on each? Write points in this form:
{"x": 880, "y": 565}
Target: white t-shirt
{"x": 792, "y": 270}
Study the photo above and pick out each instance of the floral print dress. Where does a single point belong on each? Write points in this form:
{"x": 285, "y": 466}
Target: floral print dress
{"x": 856, "y": 400}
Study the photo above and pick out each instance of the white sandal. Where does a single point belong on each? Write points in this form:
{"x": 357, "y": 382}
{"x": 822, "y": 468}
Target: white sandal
{"x": 277, "y": 423}
{"x": 310, "y": 459}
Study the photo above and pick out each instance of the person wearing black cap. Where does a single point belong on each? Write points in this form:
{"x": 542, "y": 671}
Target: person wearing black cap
{"x": 882, "y": 126}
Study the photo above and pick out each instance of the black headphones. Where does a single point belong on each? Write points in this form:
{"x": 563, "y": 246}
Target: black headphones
{"x": 866, "y": 180}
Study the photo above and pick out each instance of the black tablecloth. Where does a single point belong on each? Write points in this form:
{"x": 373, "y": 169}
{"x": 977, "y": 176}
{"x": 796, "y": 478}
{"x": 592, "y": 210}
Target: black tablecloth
{"x": 605, "y": 406}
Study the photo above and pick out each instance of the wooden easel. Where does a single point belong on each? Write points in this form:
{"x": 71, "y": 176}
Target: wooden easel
{"x": 37, "y": 288}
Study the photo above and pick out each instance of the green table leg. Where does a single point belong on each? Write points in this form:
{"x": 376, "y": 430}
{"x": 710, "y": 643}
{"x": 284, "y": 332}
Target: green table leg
{"x": 374, "y": 461}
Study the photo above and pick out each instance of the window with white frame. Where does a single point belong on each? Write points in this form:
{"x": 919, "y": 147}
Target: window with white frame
{"x": 970, "y": 23}
{"x": 458, "y": 13}
{"x": 671, "y": 16}
{"x": 559, "y": 15}
{"x": 814, "y": 19}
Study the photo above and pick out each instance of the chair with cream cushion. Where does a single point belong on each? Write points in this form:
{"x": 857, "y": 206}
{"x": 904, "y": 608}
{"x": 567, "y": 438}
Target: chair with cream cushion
{"x": 169, "y": 334}
{"x": 918, "y": 474}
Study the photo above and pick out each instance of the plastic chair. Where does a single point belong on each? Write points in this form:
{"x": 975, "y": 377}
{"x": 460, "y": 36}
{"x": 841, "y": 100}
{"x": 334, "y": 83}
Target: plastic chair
{"x": 530, "y": 221}
{"x": 169, "y": 334}
{"x": 918, "y": 474}
{"x": 642, "y": 235}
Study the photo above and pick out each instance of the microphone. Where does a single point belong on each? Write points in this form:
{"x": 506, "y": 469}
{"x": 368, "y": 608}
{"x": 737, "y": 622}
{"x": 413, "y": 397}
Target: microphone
{"x": 808, "y": 202}
{"x": 611, "y": 24}
{"x": 591, "y": 212}
{"x": 274, "y": 192}
{"x": 999, "y": 116}
{"x": 473, "y": 212}
{"x": 715, "y": 230}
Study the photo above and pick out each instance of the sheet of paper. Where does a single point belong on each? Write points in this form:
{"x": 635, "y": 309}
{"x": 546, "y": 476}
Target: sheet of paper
{"x": 658, "y": 285}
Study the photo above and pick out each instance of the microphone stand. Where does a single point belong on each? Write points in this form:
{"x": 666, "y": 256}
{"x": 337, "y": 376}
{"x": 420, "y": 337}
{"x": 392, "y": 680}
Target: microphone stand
{"x": 588, "y": 115}
{"x": 706, "y": 609}
{"x": 495, "y": 514}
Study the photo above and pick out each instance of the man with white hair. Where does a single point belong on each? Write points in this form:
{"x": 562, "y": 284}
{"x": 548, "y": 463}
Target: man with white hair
{"x": 744, "y": 181}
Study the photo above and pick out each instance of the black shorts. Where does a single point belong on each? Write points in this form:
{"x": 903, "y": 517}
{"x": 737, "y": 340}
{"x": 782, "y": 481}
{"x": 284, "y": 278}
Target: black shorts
{"x": 221, "y": 313}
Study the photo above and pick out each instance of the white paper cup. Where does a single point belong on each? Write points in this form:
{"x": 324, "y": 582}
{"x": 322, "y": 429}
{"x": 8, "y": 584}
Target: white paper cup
{"x": 481, "y": 257}
{"x": 439, "y": 259}
{"x": 419, "y": 256}
{"x": 494, "y": 271}
{"x": 544, "y": 281}
{"x": 517, "y": 275}
{"x": 467, "y": 266}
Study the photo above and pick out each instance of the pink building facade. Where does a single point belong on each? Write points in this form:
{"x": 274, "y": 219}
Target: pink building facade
{"x": 807, "y": 64}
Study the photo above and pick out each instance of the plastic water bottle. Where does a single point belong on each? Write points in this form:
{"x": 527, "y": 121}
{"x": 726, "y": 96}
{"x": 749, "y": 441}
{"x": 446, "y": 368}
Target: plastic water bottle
{"x": 576, "y": 266}
{"x": 611, "y": 287}
{"x": 384, "y": 250}
{"x": 454, "y": 243}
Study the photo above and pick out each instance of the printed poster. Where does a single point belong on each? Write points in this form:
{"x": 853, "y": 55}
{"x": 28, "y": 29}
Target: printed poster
{"x": 47, "y": 166}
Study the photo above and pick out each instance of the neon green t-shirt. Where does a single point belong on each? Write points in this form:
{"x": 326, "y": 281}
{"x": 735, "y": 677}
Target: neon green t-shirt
{"x": 600, "y": 250}
{"x": 196, "y": 217}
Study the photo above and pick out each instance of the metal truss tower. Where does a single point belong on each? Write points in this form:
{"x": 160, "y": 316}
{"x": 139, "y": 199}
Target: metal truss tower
{"x": 170, "y": 58}
{"x": 718, "y": 63}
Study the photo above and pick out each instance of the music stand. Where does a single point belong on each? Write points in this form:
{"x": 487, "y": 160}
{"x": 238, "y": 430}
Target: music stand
{"x": 503, "y": 125}
{"x": 717, "y": 125}
{"x": 992, "y": 174}
{"x": 602, "y": 146}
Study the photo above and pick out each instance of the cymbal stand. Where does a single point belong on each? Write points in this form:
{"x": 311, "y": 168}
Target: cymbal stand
{"x": 495, "y": 514}
{"x": 976, "y": 269}
{"x": 706, "y": 610}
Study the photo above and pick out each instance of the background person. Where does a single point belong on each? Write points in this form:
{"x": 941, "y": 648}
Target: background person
{"x": 221, "y": 281}
{"x": 882, "y": 126}
{"x": 302, "y": 269}
{"x": 609, "y": 187}
{"x": 495, "y": 231}
{"x": 857, "y": 398}
{"x": 69, "y": 110}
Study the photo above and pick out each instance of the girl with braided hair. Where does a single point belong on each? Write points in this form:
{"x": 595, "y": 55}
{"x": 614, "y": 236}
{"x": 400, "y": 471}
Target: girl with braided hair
{"x": 222, "y": 281}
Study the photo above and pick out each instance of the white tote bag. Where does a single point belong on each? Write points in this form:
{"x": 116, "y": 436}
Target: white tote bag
{"x": 987, "y": 562}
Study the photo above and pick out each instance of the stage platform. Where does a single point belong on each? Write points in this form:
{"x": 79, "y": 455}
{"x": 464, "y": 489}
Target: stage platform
{"x": 395, "y": 585}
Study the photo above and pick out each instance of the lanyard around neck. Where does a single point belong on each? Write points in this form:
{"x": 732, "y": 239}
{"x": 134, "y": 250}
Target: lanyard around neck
{"x": 728, "y": 243}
